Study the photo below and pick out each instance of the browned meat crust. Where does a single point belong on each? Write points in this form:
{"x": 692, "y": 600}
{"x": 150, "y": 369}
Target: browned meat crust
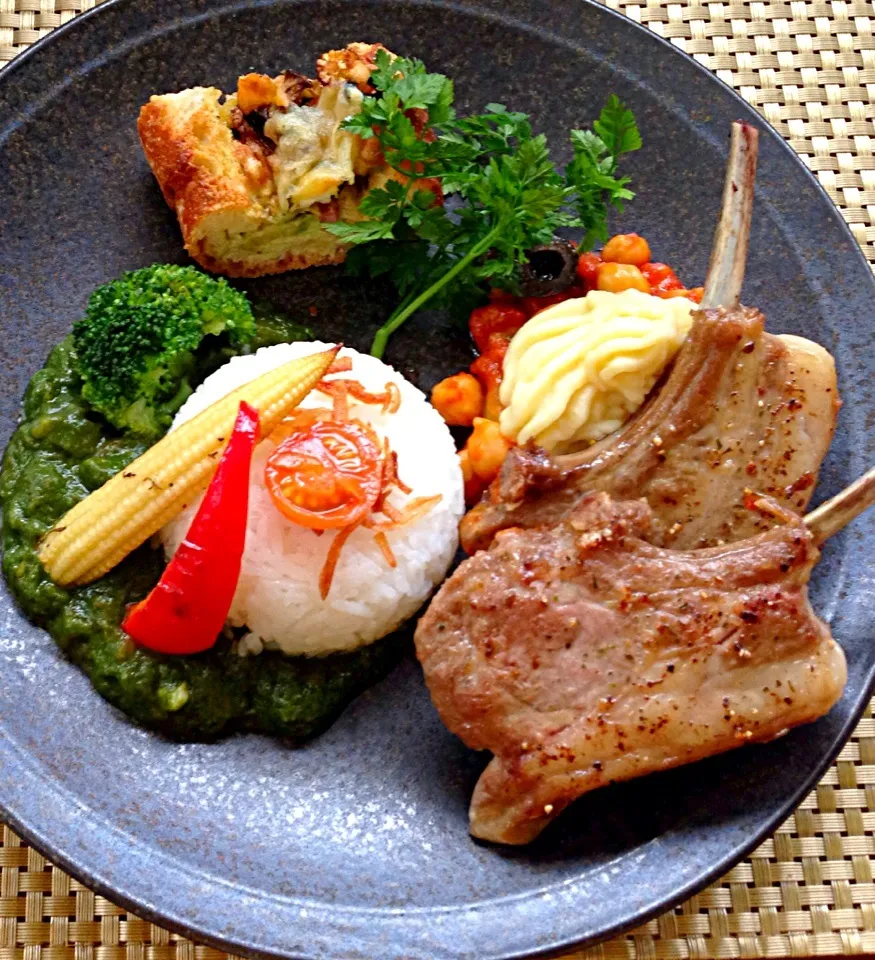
{"x": 582, "y": 654}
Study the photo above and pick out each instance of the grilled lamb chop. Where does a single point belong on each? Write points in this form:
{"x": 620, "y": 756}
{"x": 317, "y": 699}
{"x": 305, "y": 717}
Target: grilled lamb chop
{"x": 581, "y": 650}
{"x": 739, "y": 408}
{"x": 583, "y": 654}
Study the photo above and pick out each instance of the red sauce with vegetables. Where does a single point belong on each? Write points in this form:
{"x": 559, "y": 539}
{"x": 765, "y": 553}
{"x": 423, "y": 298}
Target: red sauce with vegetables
{"x": 624, "y": 263}
{"x": 502, "y": 316}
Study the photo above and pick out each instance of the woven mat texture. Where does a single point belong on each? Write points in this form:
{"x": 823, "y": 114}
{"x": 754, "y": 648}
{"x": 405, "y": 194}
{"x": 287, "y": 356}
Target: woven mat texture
{"x": 809, "y": 67}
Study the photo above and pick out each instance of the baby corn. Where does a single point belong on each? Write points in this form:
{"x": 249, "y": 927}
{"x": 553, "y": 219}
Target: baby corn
{"x": 101, "y": 530}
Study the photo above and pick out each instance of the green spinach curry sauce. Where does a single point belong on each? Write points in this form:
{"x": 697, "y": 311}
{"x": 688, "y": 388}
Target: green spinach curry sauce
{"x": 62, "y": 451}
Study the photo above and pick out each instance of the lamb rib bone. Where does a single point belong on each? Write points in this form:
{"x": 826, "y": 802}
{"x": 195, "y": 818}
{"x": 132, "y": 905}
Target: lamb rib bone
{"x": 726, "y": 267}
{"x": 838, "y": 512}
{"x": 731, "y": 237}
{"x": 729, "y": 249}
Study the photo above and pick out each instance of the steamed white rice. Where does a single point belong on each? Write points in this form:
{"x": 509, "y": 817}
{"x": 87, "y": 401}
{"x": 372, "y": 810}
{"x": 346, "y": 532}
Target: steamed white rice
{"x": 277, "y": 596}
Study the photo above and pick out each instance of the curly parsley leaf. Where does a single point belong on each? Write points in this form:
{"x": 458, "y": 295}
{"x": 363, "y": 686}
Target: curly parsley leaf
{"x": 427, "y": 91}
{"x": 617, "y": 128}
{"x": 591, "y": 176}
{"x": 365, "y": 231}
{"x": 510, "y": 195}
{"x": 407, "y": 100}
{"x": 403, "y": 263}
{"x": 592, "y": 172}
{"x": 517, "y": 199}
{"x": 495, "y": 133}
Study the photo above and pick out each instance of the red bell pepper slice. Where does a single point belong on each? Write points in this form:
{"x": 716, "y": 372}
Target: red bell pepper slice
{"x": 186, "y": 610}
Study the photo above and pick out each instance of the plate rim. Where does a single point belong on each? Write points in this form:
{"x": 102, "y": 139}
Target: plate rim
{"x": 164, "y": 916}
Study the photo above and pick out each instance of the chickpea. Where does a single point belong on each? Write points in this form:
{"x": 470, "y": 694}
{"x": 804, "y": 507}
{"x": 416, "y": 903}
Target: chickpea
{"x": 465, "y": 465}
{"x": 486, "y": 448}
{"x": 458, "y": 399}
{"x": 627, "y": 248}
{"x": 617, "y": 277}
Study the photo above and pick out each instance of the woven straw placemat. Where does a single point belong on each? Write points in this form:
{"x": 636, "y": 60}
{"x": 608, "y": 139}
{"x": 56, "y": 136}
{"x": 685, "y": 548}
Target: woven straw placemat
{"x": 809, "y": 67}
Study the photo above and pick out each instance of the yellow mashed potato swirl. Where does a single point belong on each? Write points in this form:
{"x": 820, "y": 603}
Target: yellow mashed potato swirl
{"x": 576, "y": 371}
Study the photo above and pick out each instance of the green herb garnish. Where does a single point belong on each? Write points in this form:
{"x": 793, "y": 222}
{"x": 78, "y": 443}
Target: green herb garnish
{"x": 510, "y": 196}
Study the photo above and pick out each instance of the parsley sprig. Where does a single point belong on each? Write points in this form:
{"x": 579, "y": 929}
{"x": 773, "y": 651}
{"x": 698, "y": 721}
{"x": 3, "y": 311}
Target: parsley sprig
{"x": 509, "y": 196}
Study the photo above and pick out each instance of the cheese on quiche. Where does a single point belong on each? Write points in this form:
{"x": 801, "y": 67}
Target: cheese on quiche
{"x": 254, "y": 176}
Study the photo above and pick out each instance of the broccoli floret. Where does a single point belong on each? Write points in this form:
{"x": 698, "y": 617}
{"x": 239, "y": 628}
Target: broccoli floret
{"x": 135, "y": 346}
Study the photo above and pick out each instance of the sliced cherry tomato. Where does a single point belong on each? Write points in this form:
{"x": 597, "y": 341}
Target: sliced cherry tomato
{"x": 495, "y": 318}
{"x": 533, "y": 305}
{"x": 324, "y": 474}
{"x": 588, "y": 269}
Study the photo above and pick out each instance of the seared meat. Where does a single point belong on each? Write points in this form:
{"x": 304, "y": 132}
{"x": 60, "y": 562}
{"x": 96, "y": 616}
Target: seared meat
{"x": 740, "y": 408}
{"x": 583, "y": 654}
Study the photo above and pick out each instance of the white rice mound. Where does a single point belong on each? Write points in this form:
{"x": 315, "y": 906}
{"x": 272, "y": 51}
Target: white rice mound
{"x": 277, "y": 596}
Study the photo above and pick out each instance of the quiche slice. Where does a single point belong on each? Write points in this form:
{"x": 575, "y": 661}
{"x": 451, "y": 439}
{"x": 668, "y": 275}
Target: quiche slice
{"x": 253, "y": 176}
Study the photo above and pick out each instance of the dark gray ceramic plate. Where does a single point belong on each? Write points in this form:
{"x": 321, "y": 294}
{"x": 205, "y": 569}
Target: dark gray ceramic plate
{"x": 356, "y": 845}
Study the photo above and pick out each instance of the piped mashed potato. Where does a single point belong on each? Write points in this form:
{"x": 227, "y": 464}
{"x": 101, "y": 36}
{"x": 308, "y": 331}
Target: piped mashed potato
{"x": 277, "y": 597}
{"x": 576, "y": 371}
